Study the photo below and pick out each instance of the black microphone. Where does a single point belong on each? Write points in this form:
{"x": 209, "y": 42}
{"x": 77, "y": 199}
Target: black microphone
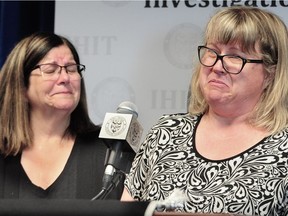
{"x": 122, "y": 133}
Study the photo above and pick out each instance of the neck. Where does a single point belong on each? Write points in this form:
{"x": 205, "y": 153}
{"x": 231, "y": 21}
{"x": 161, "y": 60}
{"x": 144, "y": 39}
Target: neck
{"x": 53, "y": 128}
{"x": 227, "y": 118}
{"x": 230, "y": 124}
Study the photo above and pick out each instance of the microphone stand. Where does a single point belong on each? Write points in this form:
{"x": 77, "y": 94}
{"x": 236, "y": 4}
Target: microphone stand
{"x": 112, "y": 184}
{"x": 112, "y": 175}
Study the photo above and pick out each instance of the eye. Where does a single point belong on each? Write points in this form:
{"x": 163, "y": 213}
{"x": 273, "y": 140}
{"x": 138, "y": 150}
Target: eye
{"x": 49, "y": 68}
{"x": 72, "y": 68}
{"x": 211, "y": 53}
{"x": 234, "y": 59}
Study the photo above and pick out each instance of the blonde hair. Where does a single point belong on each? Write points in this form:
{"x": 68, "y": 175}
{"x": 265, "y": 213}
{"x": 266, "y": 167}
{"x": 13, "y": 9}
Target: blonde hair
{"x": 249, "y": 26}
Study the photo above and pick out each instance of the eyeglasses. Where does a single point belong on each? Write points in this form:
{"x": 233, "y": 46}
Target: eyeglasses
{"x": 52, "y": 71}
{"x": 231, "y": 63}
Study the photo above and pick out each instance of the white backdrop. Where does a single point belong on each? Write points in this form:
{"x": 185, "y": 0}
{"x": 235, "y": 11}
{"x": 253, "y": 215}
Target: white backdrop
{"x": 140, "y": 51}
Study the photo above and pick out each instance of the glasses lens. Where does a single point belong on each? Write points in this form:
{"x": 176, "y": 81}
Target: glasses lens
{"x": 232, "y": 64}
{"x": 53, "y": 71}
{"x": 207, "y": 56}
{"x": 75, "y": 71}
{"x": 49, "y": 71}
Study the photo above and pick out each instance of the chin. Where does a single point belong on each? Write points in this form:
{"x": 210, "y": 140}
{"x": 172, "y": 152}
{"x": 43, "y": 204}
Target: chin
{"x": 65, "y": 107}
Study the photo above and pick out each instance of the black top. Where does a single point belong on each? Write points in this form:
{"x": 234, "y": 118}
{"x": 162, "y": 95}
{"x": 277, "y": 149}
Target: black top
{"x": 80, "y": 179}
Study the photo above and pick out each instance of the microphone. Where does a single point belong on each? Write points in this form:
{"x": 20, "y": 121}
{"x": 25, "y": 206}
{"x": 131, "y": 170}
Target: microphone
{"x": 123, "y": 125}
{"x": 122, "y": 133}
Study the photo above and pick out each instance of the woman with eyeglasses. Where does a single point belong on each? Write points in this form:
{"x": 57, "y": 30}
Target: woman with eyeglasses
{"x": 229, "y": 153}
{"x": 49, "y": 147}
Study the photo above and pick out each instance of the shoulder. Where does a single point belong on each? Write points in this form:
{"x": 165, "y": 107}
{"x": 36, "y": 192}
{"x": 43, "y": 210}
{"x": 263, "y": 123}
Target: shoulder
{"x": 90, "y": 149}
{"x": 180, "y": 115}
{"x": 89, "y": 136}
{"x": 280, "y": 138}
{"x": 91, "y": 139}
{"x": 170, "y": 126}
{"x": 281, "y": 135}
{"x": 178, "y": 118}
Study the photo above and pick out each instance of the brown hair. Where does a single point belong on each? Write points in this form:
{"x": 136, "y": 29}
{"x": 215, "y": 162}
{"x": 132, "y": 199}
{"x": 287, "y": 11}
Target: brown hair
{"x": 15, "y": 131}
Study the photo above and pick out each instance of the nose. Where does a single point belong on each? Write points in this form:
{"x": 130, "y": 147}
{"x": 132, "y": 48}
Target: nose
{"x": 63, "y": 75}
{"x": 218, "y": 66}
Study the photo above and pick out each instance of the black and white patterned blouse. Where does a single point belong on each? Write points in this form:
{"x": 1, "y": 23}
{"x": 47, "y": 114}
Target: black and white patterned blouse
{"x": 254, "y": 182}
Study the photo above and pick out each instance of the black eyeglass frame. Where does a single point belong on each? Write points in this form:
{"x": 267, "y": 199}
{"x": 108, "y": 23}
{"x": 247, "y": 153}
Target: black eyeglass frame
{"x": 244, "y": 60}
{"x": 64, "y": 66}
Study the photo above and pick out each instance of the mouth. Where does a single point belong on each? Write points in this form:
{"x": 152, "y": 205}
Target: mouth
{"x": 217, "y": 82}
{"x": 63, "y": 93}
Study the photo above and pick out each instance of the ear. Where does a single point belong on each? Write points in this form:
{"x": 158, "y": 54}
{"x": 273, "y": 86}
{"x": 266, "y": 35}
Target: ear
{"x": 269, "y": 77}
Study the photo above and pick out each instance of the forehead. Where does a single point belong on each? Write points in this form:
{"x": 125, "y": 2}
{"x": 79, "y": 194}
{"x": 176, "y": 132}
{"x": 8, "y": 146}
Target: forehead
{"x": 236, "y": 46}
{"x": 230, "y": 27}
{"x": 60, "y": 53}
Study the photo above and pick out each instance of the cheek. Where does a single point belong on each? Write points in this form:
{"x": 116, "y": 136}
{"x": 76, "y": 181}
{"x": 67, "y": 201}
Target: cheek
{"x": 252, "y": 83}
{"x": 77, "y": 89}
{"x": 31, "y": 91}
{"x": 203, "y": 77}
{"x": 32, "y": 96}
{"x": 38, "y": 90}
{"x": 255, "y": 85}
{"x": 256, "y": 77}
{"x": 76, "y": 85}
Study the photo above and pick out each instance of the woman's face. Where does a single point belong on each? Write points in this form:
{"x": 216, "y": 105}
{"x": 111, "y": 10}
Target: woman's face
{"x": 54, "y": 95}
{"x": 240, "y": 92}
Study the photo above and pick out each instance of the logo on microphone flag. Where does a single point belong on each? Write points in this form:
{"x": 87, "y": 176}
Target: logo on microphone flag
{"x": 122, "y": 127}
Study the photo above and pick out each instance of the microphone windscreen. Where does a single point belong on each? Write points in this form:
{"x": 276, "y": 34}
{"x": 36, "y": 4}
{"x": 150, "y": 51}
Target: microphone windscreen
{"x": 127, "y": 107}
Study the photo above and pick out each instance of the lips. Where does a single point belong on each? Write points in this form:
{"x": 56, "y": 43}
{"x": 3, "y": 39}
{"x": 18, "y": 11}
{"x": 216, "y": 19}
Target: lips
{"x": 215, "y": 81}
{"x": 62, "y": 92}
{"x": 66, "y": 92}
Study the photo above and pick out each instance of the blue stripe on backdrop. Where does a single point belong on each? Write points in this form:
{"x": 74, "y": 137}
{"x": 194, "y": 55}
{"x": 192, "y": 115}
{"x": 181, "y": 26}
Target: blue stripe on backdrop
{"x": 22, "y": 18}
